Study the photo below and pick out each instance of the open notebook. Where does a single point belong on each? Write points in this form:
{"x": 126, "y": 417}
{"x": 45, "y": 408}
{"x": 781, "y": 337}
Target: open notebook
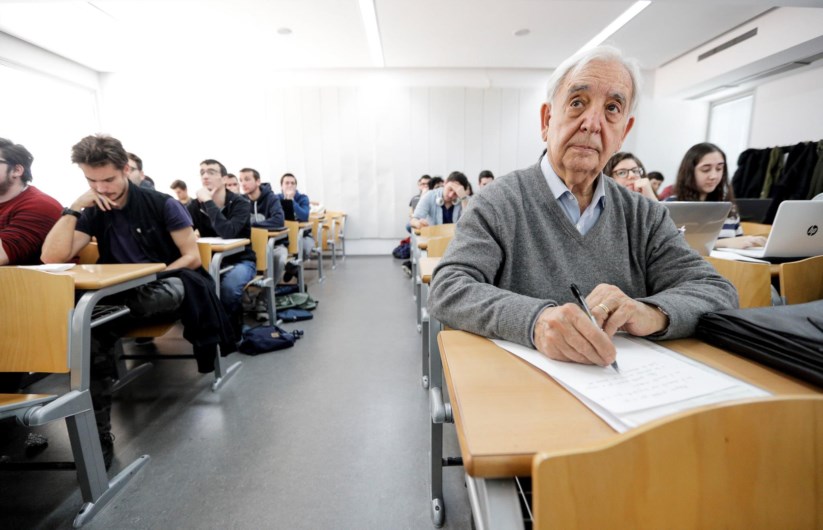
{"x": 653, "y": 382}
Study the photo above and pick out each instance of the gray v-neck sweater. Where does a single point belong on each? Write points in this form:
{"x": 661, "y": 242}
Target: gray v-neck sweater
{"x": 515, "y": 252}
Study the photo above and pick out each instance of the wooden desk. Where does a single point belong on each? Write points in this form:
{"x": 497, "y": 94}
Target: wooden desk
{"x": 423, "y": 242}
{"x": 427, "y": 266}
{"x": 506, "y": 411}
{"x": 212, "y": 252}
{"x": 93, "y": 277}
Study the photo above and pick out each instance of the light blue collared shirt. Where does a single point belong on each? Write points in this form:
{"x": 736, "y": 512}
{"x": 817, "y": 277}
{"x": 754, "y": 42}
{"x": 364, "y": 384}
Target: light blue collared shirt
{"x": 568, "y": 202}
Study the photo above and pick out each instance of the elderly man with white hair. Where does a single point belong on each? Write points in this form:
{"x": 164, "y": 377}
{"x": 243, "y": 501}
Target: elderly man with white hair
{"x": 508, "y": 271}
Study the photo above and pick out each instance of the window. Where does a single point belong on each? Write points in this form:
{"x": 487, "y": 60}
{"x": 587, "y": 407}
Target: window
{"x": 729, "y": 124}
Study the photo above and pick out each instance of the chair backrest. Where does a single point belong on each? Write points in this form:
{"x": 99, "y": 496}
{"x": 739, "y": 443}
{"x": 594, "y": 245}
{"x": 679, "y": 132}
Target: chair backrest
{"x": 294, "y": 232}
{"x": 89, "y": 254}
{"x": 753, "y": 281}
{"x": 259, "y": 244}
{"x": 750, "y": 465}
{"x": 437, "y": 246}
{"x": 205, "y": 254}
{"x": 438, "y": 230}
{"x": 35, "y": 311}
{"x": 755, "y": 229}
{"x": 802, "y": 281}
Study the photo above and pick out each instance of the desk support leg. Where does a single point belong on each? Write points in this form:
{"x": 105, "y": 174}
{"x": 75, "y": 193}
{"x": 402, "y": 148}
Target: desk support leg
{"x": 426, "y": 342}
{"x": 438, "y": 508}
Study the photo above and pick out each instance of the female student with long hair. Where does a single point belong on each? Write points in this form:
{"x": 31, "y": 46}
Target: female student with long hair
{"x": 704, "y": 176}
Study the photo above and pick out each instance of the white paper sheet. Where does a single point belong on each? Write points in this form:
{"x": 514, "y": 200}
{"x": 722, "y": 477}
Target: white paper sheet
{"x": 654, "y": 382}
{"x": 50, "y": 267}
{"x": 725, "y": 254}
{"x": 217, "y": 240}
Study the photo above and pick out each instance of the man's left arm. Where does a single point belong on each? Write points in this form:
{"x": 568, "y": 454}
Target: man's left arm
{"x": 186, "y": 242}
{"x": 684, "y": 285}
{"x": 235, "y": 223}
{"x": 302, "y": 208}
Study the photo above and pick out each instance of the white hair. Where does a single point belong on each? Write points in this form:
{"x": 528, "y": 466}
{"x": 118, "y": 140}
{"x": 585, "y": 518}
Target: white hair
{"x": 576, "y": 62}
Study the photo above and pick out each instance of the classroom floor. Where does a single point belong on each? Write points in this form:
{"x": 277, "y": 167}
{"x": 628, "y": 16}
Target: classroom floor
{"x": 331, "y": 434}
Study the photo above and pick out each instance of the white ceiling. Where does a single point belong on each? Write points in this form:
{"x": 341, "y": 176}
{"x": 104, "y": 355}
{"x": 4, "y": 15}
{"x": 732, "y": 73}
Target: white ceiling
{"x": 237, "y": 35}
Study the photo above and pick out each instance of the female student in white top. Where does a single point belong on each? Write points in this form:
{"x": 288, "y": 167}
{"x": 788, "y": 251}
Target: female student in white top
{"x": 704, "y": 176}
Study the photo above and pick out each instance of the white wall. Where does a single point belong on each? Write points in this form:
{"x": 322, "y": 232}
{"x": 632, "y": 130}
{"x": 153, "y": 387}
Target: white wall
{"x": 789, "y": 110}
{"x": 356, "y": 140}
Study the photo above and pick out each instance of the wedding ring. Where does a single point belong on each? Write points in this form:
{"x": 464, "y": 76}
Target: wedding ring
{"x": 605, "y": 308}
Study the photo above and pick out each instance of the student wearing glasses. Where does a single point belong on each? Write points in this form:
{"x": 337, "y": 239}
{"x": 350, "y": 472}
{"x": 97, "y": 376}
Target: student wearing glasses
{"x": 628, "y": 171}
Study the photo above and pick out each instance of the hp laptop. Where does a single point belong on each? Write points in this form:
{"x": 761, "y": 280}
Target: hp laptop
{"x": 699, "y": 221}
{"x": 753, "y": 210}
{"x": 797, "y": 232}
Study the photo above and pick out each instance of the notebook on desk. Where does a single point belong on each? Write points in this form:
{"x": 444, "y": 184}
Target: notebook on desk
{"x": 700, "y": 222}
{"x": 797, "y": 232}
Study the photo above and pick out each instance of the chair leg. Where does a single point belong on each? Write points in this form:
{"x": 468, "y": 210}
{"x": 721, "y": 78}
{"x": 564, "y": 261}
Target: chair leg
{"x": 124, "y": 375}
{"x": 301, "y": 283}
{"x": 222, "y": 371}
{"x": 426, "y": 350}
{"x": 271, "y": 307}
{"x": 333, "y": 255}
{"x": 438, "y": 508}
{"x": 320, "y": 265}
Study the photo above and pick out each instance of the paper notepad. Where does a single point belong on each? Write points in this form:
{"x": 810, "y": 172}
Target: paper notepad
{"x": 50, "y": 267}
{"x": 653, "y": 382}
{"x": 217, "y": 240}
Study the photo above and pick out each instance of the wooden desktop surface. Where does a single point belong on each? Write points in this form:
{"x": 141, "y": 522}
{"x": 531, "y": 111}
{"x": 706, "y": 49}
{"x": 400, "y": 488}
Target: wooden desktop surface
{"x": 506, "y": 411}
{"x": 88, "y": 277}
{"x": 277, "y": 234}
{"x": 427, "y": 266}
{"x": 222, "y": 247}
{"x": 423, "y": 242}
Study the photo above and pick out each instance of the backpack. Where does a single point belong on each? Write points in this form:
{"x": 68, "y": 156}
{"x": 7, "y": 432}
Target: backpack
{"x": 295, "y": 300}
{"x": 403, "y": 250}
{"x": 264, "y": 339}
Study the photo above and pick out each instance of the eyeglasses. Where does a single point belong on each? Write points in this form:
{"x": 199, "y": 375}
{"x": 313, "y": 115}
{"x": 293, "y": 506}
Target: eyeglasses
{"x": 4, "y": 162}
{"x": 637, "y": 172}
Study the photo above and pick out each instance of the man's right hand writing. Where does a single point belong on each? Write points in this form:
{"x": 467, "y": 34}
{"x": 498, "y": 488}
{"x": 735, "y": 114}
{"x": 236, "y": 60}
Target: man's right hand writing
{"x": 565, "y": 333}
{"x": 92, "y": 198}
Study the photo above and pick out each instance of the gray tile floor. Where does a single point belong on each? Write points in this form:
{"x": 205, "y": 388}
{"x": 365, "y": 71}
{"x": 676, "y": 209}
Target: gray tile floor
{"x": 332, "y": 433}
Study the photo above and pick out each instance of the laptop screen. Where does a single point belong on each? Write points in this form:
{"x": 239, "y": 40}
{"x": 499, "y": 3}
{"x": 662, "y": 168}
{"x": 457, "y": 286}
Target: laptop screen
{"x": 700, "y": 222}
{"x": 288, "y": 209}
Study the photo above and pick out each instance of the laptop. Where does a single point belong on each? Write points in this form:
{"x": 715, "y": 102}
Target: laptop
{"x": 699, "y": 221}
{"x": 288, "y": 209}
{"x": 797, "y": 232}
{"x": 753, "y": 210}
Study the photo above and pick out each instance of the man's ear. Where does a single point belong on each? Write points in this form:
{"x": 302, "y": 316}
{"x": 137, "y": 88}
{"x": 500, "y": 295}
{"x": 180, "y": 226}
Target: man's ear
{"x": 629, "y": 125}
{"x": 545, "y": 116}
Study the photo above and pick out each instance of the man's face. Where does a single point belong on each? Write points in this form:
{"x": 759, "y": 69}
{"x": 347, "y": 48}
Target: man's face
{"x": 485, "y": 181}
{"x": 423, "y": 185}
{"x": 247, "y": 182}
{"x": 452, "y": 190}
{"x": 6, "y": 172}
{"x": 232, "y": 185}
{"x": 108, "y": 181}
{"x": 655, "y": 184}
{"x": 135, "y": 175}
{"x": 289, "y": 185}
{"x": 587, "y": 120}
{"x": 210, "y": 177}
{"x": 182, "y": 195}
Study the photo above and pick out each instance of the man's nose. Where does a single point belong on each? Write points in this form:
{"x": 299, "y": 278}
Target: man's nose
{"x": 592, "y": 120}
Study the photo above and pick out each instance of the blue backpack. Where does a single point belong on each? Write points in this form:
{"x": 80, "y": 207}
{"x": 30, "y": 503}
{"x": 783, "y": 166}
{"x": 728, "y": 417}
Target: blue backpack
{"x": 264, "y": 339}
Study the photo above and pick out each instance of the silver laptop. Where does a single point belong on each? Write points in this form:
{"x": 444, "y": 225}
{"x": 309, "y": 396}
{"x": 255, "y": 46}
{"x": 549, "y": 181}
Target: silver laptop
{"x": 699, "y": 221}
{"x": 797, "y": 232}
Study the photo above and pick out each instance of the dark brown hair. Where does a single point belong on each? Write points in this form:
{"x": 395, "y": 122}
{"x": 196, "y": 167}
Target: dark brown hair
{"x": 685, "y": 187}
{"x": 17, "y": 155}
{"x": 99, "y": 150}
{"x": 619, "y": 157}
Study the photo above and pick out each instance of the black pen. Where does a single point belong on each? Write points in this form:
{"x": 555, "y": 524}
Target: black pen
{"x": 582, "y": 302}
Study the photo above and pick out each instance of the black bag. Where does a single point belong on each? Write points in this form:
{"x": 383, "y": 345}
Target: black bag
{"x": 788, "y": 338}
{"x": 264, "y": 339}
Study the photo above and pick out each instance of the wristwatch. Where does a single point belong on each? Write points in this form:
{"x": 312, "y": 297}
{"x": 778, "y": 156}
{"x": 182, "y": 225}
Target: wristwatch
{"x": 69, "y": 211}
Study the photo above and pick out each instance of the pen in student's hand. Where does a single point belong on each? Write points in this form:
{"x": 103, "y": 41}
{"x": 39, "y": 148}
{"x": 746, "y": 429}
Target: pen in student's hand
{"x": 582, "y": 302}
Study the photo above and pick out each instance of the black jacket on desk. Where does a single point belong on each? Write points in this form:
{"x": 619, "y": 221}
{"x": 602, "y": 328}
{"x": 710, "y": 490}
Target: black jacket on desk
{"x": 144, "y": 209}
{"x": 229, "y": 222}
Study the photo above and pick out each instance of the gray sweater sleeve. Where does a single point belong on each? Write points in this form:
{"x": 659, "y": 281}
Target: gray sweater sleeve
{"x": 462, "y": 293}
{"x": 684, "y": 284}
